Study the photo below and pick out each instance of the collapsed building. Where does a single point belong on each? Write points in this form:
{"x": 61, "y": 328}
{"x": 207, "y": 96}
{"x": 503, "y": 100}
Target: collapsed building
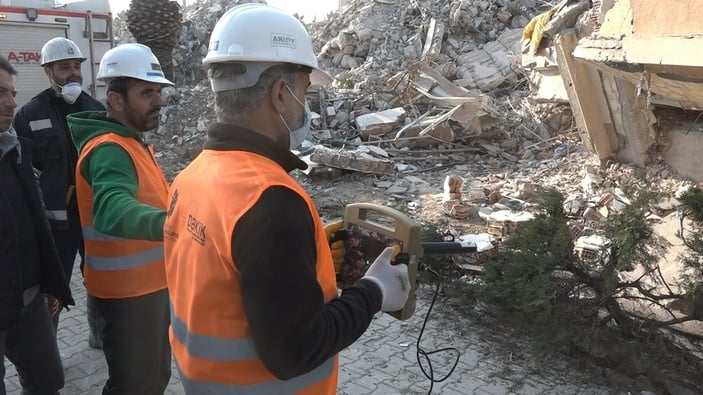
{"x": 519, "y": 86}
{"x": 620, "y": 72}
{"x": 631, "y": 72}
{"x": 465, "y": 85}
{"x": 459, "y": 84}
{"x": 381, "y": 57}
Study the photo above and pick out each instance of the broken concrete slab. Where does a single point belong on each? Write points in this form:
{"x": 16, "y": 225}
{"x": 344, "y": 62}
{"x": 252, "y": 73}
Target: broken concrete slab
{"x": 379, "y": 123}
{"x": 548, "y": 86}
{"x": 491, "y": 66}
{"x": 684, "y": 153}
{"x": 360, "y": 160}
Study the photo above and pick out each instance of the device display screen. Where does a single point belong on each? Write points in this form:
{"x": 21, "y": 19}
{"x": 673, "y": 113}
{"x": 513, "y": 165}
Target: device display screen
{"x": 361, "y": 249}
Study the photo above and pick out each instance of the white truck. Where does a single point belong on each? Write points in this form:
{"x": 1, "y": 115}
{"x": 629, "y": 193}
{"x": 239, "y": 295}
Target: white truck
{"x": 25, "y": 25}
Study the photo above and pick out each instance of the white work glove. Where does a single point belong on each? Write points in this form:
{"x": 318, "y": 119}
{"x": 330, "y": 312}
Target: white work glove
{"x": 392, "y": 279}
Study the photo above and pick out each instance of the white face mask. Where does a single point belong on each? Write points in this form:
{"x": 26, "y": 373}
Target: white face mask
{"x": 70, "y": 92}
{"x": 297, "y": 136}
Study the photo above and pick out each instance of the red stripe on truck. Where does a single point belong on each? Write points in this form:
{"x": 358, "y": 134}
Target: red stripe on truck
{"x": 41, "y": 11}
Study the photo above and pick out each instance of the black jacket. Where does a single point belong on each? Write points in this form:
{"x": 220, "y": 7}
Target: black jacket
{"x": 43, "y": 120}
{"x": 19, "y": 178}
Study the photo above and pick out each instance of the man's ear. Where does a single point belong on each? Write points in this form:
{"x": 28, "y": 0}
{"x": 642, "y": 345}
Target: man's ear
{"x": 116, "y": 101}
{"x": 277, "y": 96}
{"x": 49, "y": 72}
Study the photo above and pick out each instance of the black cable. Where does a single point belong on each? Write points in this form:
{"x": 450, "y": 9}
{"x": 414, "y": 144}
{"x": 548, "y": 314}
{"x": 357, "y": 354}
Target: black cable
{"x": 426, "y": 354}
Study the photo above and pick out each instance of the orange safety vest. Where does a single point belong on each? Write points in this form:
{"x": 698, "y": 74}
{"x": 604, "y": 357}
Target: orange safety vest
{"x": 210, "y": 334}
{"x": 116, "y": 267}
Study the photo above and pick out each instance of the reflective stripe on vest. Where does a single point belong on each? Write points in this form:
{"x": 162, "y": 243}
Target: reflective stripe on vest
{"x": 277, "y": 387}
{"x": 40, "y": 124}
{"x": 92, "y": 234}
{"x": 212, "y": 348}
{"x": 242, "y": 349}
{"x": 57, "y": 215}
{"x": 123, "y": 262}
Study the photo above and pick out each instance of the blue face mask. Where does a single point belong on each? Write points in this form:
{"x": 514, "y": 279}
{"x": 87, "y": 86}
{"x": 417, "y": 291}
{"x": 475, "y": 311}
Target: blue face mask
{"x": 297, "y": 136}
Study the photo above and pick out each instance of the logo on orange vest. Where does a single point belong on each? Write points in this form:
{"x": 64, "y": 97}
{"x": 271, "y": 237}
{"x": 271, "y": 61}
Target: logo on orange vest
{"x": 197, "y": 229}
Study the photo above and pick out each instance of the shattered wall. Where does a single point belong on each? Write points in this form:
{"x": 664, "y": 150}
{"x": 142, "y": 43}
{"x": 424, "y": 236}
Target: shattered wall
{"x": 651, "y": 50}
{"x": 666, "y": 18}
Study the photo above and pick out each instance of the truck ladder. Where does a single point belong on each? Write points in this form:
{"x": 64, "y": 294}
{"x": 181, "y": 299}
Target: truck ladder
{"x": 93, "y": 37}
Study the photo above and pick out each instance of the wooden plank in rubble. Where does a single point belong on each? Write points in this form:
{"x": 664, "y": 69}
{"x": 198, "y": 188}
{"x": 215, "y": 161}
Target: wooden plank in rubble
{"x": 585, "y": 96}
{"x": 448, "y": 86}
{"x": 433, "y": 42}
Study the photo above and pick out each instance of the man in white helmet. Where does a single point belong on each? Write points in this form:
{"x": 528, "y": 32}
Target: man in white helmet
{"x": 122, "y": 202}
{"x": 43, "y": 120}
{"x": 255, "y": 305}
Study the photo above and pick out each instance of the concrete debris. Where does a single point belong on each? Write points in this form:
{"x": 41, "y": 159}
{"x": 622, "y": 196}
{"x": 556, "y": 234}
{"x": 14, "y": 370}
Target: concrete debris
{"x": 486, "y": 246}
{"x": 364, "y": 159}
{"x": 491, "y": 66}
{"x": 431, "y": 85}
{"x": 503, "y": 223}
{"x": 592, "y": 249}
{"x": 565, "y": 18}
{"x": 457, "y": 55}
{"x": 625, "y": 65}
{"x": 379, "y": 122}
{"x": 456, "y": 71}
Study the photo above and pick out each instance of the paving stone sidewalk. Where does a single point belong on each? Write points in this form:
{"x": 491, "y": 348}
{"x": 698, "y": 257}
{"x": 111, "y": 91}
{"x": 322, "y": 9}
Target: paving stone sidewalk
{"x": 382, "y": 361}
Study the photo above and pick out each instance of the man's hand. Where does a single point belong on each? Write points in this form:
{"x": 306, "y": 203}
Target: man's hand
{"x": 392, "y": 279}
{"x": 54, "y": 305}
{"x": 337, "y": 247}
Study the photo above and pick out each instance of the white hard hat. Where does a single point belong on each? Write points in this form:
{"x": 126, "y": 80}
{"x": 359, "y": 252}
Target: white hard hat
{"x": 260, "y": 35}
{"x": 60, "y": 48}
{"x": 131, "y": 60}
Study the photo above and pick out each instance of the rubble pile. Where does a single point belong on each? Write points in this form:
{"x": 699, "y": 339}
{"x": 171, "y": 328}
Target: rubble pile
{"x": 369, "y": 41}
{"x": 446, "y": 68}
{"x": 422, "y": 88}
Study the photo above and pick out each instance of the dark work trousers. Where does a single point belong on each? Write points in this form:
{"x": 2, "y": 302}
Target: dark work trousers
{"x": 135, "y": 344}
{"x": 31, "y": 346}
{"x": 95, "y": 323}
